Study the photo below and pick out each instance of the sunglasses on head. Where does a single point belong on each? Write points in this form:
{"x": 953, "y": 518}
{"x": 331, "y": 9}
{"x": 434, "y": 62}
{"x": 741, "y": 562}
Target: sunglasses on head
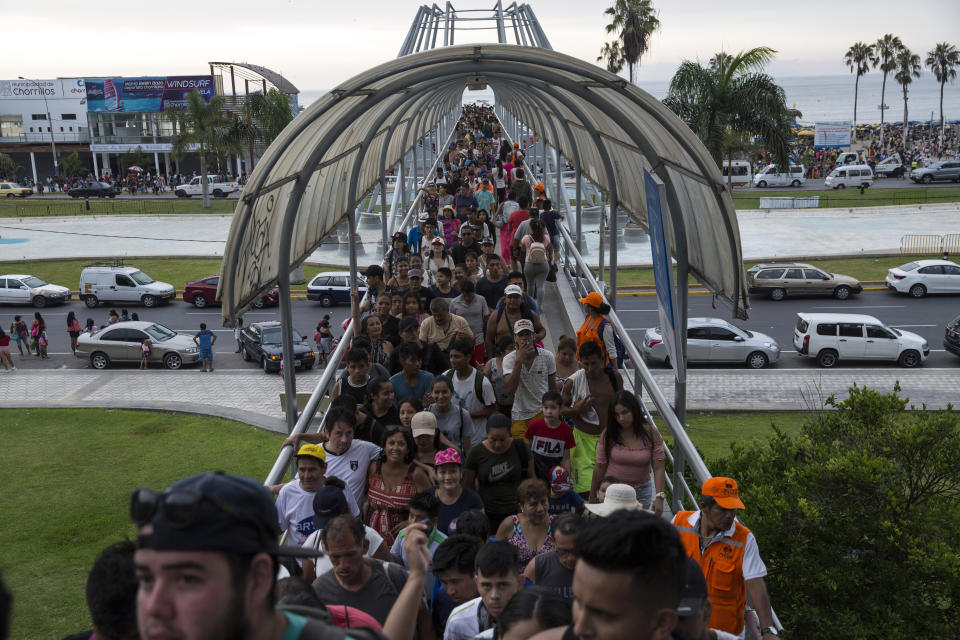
{"x": 179, "y": 507}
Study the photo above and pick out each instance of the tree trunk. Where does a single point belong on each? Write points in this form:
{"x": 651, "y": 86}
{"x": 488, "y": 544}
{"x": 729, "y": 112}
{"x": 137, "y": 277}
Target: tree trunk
{"x": 906, "y": 126}
{"x": 941, "y": 113}
{"x": 856, "y": 91}
{"x": 204, "y": 183}
{"x": 883, "y": 93}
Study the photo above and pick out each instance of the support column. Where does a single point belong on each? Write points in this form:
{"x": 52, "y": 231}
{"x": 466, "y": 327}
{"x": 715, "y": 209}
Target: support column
{"x": 166, "y": 165}
{"x": 402, "y": 184}
{"x": 579, "y": 209}
{"x": 33, "y": 166}
{"x": 96, "y": 168}
{"x": 156, "y": 163}
{"x": 612, "y": 296}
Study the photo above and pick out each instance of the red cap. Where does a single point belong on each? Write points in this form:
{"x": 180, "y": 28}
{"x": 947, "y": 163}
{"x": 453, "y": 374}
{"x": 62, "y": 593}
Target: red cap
{"x": 724, "y": 491}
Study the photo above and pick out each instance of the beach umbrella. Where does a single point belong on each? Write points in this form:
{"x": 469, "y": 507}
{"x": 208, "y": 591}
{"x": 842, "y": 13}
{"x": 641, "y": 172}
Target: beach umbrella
{"x": 135, "y": 168}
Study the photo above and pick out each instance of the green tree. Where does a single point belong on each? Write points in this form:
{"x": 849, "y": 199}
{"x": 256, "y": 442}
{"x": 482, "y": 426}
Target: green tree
{"x": 266, "y": 116}
{"x": 943, "y": 60}
{"x": 613, "y": 56}
{"x": 859, "y": 510}
{"x": 133, "y": 158}
{"x": 858, "y": 58}
{"x": 908, "y": 68}
{"x": 8, "y": 168}
{"x": 204, "y": 129}
{"x": 633, "y": 22}
{"x": 884, "y": 55}
{"x": 72, "y": 167}
{"x": 731, "y": 98}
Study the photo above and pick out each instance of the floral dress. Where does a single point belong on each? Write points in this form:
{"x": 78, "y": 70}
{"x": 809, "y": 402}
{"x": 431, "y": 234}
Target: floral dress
{"x": 524, "y": 551}
{"x": 388, "y": 508}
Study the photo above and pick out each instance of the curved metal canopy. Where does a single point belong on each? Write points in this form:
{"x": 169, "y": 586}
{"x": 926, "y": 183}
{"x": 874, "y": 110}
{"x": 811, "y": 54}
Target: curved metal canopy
{"x": 270, "y": 75}
{"x": 302, "y": 187}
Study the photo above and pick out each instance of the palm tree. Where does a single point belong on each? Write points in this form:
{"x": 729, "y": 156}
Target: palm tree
{"x": 730, "y": 99}
{"x": 612, "y": 54}
{"x": 266, "y": 116}
{"x": 202, "y": 127}
{"x": 858, "y": 58}
{"x": 908, "y": 68}
{"x": 884, "y": 53}
{"x": 633, "y": 21}
{"x": 943, "y": 60}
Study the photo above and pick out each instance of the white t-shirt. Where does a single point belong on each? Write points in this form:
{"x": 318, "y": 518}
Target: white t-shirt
{"x": 533, "y": 383}
{"x": 453, "y": 423}
{"x": 322, "y": 564}
{"x": 351, "y": 466}
{"x": 464, "y": 623}
{"x": 295, "y": 511}
{"x": 464, "y": 391}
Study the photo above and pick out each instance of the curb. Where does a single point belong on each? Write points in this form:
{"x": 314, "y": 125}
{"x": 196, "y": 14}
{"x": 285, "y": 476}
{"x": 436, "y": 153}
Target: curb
{"x": 701, "y": 292}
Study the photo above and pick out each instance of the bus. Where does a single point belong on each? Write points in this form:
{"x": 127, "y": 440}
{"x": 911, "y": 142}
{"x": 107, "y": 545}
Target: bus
{"x": 741, "y": 172}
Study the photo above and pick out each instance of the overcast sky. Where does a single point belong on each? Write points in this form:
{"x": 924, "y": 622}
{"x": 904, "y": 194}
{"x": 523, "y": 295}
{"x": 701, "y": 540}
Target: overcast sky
{"x": 319, "y": 43}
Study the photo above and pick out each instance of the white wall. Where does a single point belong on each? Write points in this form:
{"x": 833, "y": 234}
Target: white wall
{"x": 23, "y": 98}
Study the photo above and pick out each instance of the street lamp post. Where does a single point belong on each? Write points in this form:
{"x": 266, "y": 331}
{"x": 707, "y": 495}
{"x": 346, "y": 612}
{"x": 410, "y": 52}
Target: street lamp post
{"x": 53, "y": 144}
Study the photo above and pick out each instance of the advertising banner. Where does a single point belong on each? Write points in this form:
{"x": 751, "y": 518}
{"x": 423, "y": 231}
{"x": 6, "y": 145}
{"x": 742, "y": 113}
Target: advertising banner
{"x": 144, "y": 95}
{"x": 828, "y": 135}
{"x": 49, "y": 89}
{"x": 660, "y": 241}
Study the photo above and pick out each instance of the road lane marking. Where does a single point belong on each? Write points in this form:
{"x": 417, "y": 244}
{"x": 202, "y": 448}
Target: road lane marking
{"x": 851, "y": 309}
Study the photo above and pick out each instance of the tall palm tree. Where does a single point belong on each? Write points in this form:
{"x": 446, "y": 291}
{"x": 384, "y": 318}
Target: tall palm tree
{"x": 634, "y": 22}
{"x": 884, "y": 53}
{"x": 943, "y": 60}
{"x": 267, "y": 115}
{"x": 732, "y": 98}
{"x": 858, "y": 58}
{"x": 613, "y": 55}
{"x": 202, "y": 127}
{"x": 908, "y": 68}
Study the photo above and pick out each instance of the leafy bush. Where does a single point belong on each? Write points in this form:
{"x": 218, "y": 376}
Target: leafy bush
{"x": 858, "y": 518}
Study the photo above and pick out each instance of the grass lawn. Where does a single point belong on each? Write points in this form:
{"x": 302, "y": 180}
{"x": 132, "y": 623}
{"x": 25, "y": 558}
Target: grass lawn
{"x": 840, "y": 198}
{"x": 714, "y": 432}
{"x": 67, "y": 475}
{"x": 39, "y": 206}
{"x": 176, "y": 271}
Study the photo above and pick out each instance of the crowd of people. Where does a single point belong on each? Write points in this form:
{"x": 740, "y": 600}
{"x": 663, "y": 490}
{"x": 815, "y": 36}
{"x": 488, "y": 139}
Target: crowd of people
{"x": 469, "y": 481}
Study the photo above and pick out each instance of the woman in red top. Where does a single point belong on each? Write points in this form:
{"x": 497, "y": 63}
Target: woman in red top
{"x": 392, "y": 482}
{"x": 74, "y": 329}
{"x": 629, "y": 448}
{"x": 5, "y": 352}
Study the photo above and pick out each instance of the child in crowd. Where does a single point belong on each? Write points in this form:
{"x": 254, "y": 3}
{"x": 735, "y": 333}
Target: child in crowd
{"x": 497, "y": 575}
{"x": 453, "y": 562}
{"x": 605, "y": 482}
{"x": 144, "y": 352}
{"x": 424, "y": 508}
{"x": 549, "y": 439}
{"x": 562, "y": 499}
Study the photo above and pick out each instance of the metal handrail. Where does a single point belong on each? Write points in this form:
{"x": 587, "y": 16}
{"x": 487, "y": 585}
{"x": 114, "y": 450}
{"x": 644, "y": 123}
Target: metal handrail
{"x": 280, "y": 465}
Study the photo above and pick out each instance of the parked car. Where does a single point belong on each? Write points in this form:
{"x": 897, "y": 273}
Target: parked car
{"x": 13, "y": 190}
{"x": 122, "y": 342}
{"x": 203, "y": 292}
{"x": 94, "y": 190}
{"x": 260, "y": 341}
{"x": 215, "y": 187}
{"x": 832, "y": 337}
{"x": 943, "y": 170}
{"x": 18, "y": 288}
{"x": 769, "y": 177}
{"x": 855, "y": 176}
{"x": 117, "y": 283}
{"x": 333, "y": 287}
{"x": 714, "y": 340}
{"x": 920, "y": 277}
{"x": 780, "y": 279}
{"x": 951, "y": 339}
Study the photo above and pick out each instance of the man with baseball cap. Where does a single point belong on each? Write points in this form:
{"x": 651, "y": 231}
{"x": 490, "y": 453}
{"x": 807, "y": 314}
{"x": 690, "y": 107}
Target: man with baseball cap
{"x": 694, "y": 609}
{"x": 206, "y": 565}
{"x": 727, "y": 553}
{"x": 530, "y": 372}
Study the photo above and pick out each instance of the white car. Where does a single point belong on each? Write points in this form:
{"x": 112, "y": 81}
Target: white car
{"x": 920, "y": 277}
{"x": 832, "y": 337}
{"x": 333, "y": 287}
{"x": 715, "y": 340}
{"x": 18, "y": 288}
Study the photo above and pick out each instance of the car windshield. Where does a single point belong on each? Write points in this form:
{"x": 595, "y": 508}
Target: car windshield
{"x": 749, "y": 333}
{"x": 33, "y": 282}
{"x": 753, "y": 270}
{"x": 896, "y": 331}
{"x": 141, "y": 278}
{"x": 910, "y": 266}
{"x": 272, "y": 336}
{"x": 159, "y": 332}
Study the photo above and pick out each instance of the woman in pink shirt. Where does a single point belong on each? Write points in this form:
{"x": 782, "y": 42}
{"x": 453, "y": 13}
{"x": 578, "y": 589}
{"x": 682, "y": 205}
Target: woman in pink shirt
{"x": 629, "y": 448}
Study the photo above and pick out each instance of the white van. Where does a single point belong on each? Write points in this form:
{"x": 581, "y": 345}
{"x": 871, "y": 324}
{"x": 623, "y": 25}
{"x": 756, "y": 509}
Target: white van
{"x": 769, "y": 177}
{"x": 120, "y": 284}
{"x": 740, "y": 171}
{"x": 851, "y": 175}
{"x": 832, "y": 337}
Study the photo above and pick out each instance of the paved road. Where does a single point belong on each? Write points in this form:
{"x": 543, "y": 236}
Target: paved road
{"x": 926, "y": 316}
{"x": 880, "y": 183}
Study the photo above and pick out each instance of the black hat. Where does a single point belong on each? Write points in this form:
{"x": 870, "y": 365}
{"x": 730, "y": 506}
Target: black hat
{"x": 328, "y": 503}
{"x": 210, "y": 512}
{"x": 694, "y": 590}
{"x": 407, "y": 323}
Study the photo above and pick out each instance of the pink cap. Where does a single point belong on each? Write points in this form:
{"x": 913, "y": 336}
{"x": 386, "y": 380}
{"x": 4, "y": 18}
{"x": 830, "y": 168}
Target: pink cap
{"x": 447, "y": 456}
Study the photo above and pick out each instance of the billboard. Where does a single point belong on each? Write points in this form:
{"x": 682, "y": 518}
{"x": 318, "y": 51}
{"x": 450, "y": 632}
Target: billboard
{"x": 56, "y": 88}
{"x": 143, "y": 95}
{"x": 827, "y": 135}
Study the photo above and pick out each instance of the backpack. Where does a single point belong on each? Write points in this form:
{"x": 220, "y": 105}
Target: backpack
{"x": 617, "y": 343}
{"x": 537, "y": 253}
{"x": 477, "y": 384}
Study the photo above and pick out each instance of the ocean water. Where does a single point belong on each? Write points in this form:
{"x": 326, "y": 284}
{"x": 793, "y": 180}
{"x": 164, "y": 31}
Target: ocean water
{"x": 825, "y": 98}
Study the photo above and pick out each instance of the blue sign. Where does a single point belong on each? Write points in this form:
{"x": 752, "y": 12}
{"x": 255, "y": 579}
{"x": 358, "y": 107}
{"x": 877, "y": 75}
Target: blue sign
{"x": 663, "y": 274}
{"x": 144, "y": 95}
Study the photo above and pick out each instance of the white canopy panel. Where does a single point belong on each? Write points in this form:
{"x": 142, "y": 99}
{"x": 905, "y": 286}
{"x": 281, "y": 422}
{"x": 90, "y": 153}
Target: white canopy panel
{"x": 302, "y": 186}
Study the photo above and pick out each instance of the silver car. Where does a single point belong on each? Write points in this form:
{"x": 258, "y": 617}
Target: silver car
{"x": 123, "y": 342}
{"x": 714, "y": 340}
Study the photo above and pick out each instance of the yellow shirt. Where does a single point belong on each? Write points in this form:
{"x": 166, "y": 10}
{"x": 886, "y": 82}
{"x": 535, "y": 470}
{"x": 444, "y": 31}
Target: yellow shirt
{"x": 430, "y": 331}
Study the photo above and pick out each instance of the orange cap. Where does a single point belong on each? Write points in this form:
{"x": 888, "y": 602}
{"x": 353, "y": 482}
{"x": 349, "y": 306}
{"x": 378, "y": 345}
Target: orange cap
{"x": 539, "y": 187}
{"x": 593, "y": 299}
{"x": 516, "y": 144}
{"x": 724, "y": 491}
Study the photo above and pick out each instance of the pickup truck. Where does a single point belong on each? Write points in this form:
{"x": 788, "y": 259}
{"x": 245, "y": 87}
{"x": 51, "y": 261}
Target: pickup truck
{"x": 891, "y": 167}
{"x": 216, "y": 189}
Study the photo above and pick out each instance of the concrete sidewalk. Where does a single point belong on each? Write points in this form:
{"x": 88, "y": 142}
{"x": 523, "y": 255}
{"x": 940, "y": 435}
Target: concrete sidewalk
{"x": 253, "y": 397}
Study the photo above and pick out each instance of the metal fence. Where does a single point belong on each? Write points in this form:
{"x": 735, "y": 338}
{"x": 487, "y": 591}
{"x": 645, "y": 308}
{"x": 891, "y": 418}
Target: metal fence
{"x": 929, "y": 245}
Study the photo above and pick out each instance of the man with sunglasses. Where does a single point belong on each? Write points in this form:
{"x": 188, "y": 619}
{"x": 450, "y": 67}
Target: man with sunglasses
{"x": 206, "y": 566}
